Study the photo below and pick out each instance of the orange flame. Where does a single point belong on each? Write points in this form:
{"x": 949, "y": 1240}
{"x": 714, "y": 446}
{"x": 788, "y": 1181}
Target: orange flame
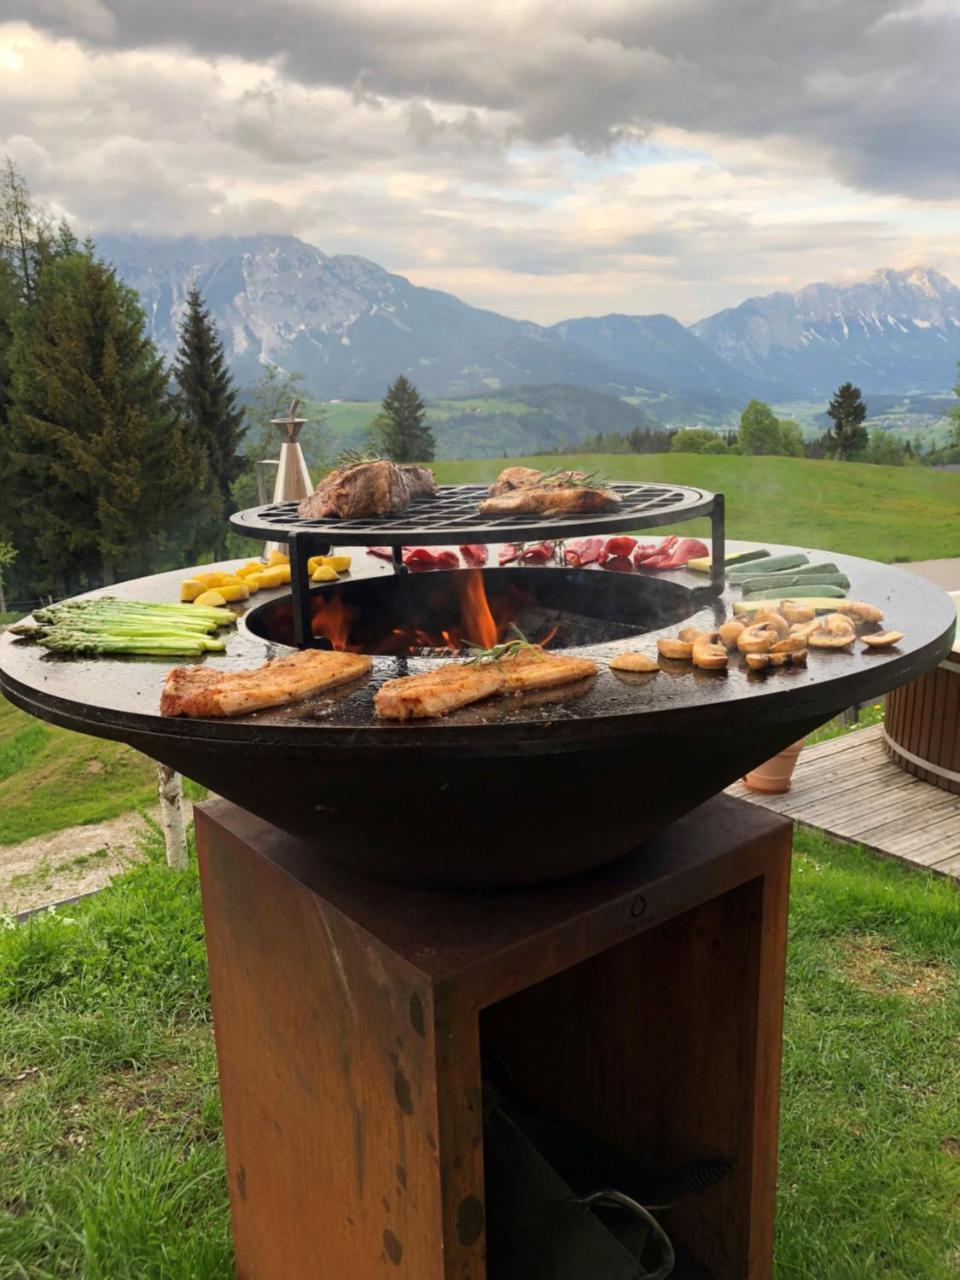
{"x": 346, "y": 626}
{"x": 479, "y": 624}
{"x": 332, "y": 619}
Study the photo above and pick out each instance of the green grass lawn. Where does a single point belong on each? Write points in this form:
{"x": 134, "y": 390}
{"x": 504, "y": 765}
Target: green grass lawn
{"x": 111, "y": 1128}
{"x": 51, "y": 778}
{"x": 883, "y": 513}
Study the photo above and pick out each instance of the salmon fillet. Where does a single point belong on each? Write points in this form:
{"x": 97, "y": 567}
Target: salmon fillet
{"x": 204, "y": 691}
{"x": 534, "y": 668}
{"x": 534, "y": 500}
{"x": 434, "y": 693}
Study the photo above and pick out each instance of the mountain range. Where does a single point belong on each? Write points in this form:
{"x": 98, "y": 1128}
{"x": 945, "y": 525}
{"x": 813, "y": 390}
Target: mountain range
{"x": 350, "y": 327}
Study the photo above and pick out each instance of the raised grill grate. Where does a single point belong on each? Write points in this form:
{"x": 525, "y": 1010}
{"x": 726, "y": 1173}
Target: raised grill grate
{"x": 451, "y": 516}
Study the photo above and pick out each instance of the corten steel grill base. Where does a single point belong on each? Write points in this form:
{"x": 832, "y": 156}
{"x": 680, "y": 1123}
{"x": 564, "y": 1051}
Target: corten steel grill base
{"x": 642, "y": 1004}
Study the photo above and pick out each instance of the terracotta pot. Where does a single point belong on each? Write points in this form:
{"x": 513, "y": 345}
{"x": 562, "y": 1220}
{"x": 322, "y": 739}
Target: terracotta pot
{"x": 774, "y": 776}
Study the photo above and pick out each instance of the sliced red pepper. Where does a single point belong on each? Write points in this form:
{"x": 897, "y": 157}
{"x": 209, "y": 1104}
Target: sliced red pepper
{"x": 385, "y": 553}
{"x": 419, "y": 558}
{"x": 622, "y": 546}
{"x": 583, "y": 551}
{"x": 509, "y": 552}
{"x": 644, "y": 552}
{"x": 651, "y": 559}
{"x": 688, "y": 549}
{"x": 538, "y": 553}
{"x": 685, "y": 551}
{"x": 424, "y": 558}
{"x": 447, "y": 560}
{"x": 475, "y": 553}
{"x": 618, "y": 564}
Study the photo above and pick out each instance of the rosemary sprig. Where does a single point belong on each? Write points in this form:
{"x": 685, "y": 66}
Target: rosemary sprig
{"x": 357, "y": 457}
{"x": 508, "y": 649}
{"x": 564, "y": 478}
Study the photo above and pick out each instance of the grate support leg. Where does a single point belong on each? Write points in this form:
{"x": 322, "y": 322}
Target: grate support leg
{"x": 301, "y": 545}
{"x": 718, "y": 543}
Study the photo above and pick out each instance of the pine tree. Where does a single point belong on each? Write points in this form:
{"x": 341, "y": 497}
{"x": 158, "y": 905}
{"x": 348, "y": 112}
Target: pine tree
{"x": 100, "y": 463}
{"x": 22, "y": 229}
{"x": 847, "y": 435}
{"x": 208, "y": 407}
{"x": 8, "y": 553}
{"x": 9, "y": 307}
{"x": 404, "y": 432}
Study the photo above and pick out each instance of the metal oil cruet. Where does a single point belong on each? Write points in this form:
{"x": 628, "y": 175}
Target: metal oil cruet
{"x": 293, "y": 479}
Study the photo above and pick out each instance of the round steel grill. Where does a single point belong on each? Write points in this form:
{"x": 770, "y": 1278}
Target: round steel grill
{"x": 451, "y": 516}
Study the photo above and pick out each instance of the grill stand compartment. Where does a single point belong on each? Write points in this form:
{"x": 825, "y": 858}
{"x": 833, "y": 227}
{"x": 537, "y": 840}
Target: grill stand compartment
{"x": 642, "y": 1004}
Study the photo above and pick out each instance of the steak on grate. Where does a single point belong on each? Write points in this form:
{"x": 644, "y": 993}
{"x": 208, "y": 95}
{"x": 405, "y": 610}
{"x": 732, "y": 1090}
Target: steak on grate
{"x": 367, "y": 489}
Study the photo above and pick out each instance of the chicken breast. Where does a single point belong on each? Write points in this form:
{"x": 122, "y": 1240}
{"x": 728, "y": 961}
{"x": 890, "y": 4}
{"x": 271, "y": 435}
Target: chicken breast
{"x": 204, "y": 691}
{"x": 550, "y": 501}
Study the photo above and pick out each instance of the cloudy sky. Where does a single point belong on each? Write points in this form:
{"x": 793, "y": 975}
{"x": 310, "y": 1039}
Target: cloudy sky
{"x": 543, "y": 157}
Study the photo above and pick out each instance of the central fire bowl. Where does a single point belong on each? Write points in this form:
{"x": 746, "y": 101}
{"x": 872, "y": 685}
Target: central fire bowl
{"x": 430, "y": 614}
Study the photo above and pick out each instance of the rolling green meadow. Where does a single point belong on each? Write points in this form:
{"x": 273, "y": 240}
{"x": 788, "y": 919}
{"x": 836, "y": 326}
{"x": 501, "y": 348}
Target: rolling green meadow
{"x": 111, "y": 1127}
{"x": 893, "y": 514}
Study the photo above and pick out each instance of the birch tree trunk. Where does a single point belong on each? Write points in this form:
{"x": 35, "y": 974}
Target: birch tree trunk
{"x": 170, "y": 787}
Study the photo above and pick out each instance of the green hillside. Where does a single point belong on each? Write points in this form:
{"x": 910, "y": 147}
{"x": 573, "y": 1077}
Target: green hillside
{"x": 537, "y": 419}
{"x": 50, "y": 778}
{"x": 883, "y": 513}
{"x": 515, "y": 420}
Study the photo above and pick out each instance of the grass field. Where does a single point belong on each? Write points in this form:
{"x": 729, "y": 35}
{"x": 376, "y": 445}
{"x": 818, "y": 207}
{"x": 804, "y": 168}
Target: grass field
{"x": 111, "y": 1126}
{"x": 883, "y": 513}
{"x": 51, "y": 778}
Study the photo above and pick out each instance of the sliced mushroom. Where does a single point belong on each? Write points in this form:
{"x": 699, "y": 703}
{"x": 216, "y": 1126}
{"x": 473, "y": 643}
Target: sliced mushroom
{"x": 773, "y": 619}
{"x": 633, "y": 662}
{"x": 804, "y": 629}
{"x": 882, "y": 639}
{"x": 708, "y": 653}
{"x": 689, "y": 634}
{"x": 730, "y": 632}
{"x": 682, "y": 650}
{"x": 757, "y": 661}
{"x": 790, "y": 644}
{"x": 757, "y": 638}
{"x": 859, "y": 610}
{"x": 837, "y": 624}
{"x": 834, "y": 632}
{"x": 794, "y": 611}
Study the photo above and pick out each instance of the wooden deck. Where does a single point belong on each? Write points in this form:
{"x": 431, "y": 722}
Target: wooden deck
{"x": 848, "y": 788}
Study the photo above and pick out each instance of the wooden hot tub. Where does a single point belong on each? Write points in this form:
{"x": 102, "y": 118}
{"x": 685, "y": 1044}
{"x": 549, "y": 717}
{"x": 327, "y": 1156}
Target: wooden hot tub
{"x": 921, "y": 729}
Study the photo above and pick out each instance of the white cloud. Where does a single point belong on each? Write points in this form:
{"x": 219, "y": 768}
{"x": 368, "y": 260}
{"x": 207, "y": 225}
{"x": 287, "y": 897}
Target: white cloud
{"x": 546, "y": 160}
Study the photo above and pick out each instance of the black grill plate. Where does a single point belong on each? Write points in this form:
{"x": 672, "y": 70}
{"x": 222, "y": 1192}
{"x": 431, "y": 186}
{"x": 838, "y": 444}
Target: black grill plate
{"x": 451, "y": 516}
